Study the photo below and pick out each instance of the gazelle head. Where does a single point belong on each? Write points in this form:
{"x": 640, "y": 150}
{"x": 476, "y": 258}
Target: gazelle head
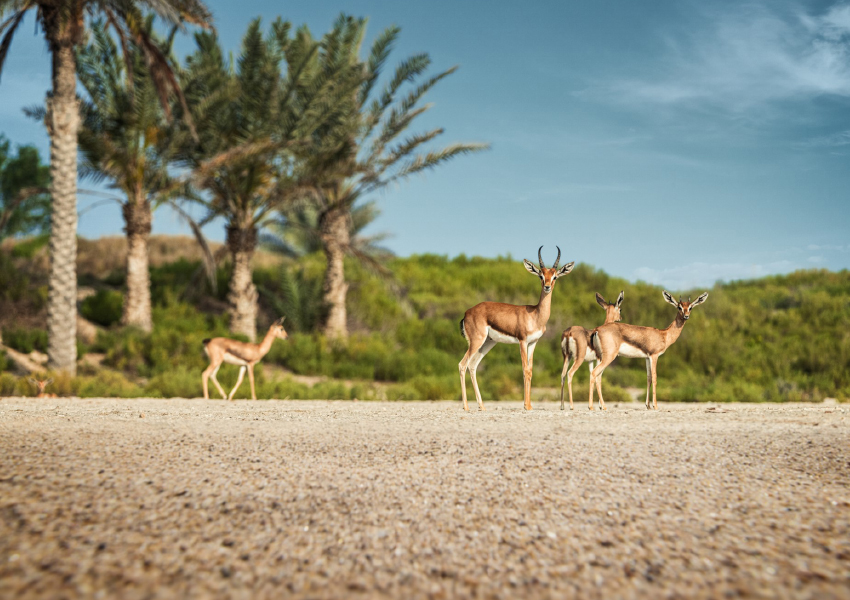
{"x": 683, "y": 306}
{"x": 547, "y": 276}
{"x": 278, "y": 330}
{"x": 612, "y": 311}
{"x": 41, "y": 384}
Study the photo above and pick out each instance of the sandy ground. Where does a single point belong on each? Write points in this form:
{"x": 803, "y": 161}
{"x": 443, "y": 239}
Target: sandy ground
{"x": 186, "y": 498}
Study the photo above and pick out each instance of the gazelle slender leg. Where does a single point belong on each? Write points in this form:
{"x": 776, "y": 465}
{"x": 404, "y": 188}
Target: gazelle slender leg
{"x": 461, "y": 366}
{"x": 205, "y": 381}
{"x": 475, "y": 341}
{"x": 564, "y": 379}
{"x": 473, "y": 367}
{"x": 531, "y": 348}
{"x": 648, "y": 379}
{"x": 242, "y": 370}
{"x": 526, "y": 374}
{"x": 217, "y": 384}
{"x": 596, "y": 377}
{"x": 251, "y": 381}
{"x": 654, "y": 378}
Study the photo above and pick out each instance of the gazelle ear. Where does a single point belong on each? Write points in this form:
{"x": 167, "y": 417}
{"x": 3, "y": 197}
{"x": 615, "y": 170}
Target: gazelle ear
{"x": 620, "y": 298}
{"x": 32, "y": 381}
{"x": 700, "y": 300}
{"x": 601, "y": 301}
{"x": 565, "y": 269}
{"x": 670, "y": 299}
{"x": 530, "y": 267}
{"x": 49, "y": 381}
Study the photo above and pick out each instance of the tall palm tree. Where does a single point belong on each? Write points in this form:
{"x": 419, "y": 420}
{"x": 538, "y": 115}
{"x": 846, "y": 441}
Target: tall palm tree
{"x": 294, "y": 232}
{"x": 125, "y": 137}
{"x": 250, "y": 116}
{"x": 64, "y": 24}
{"x": 364, "y": 153}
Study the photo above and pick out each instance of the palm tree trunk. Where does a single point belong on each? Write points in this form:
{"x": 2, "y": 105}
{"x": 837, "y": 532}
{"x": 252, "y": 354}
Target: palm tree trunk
{"x": 63, "y": 119}
{"x": 243, "y": 294}
{"x": 137, "y": 302}
{"x": 335, "y": 235}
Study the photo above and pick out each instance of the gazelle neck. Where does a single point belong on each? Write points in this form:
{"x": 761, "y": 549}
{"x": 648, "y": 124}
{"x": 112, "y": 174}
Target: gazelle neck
{"x": 266, "y": 344}
{"x": 674, "y": 330}
{"x": 544, "y": 307}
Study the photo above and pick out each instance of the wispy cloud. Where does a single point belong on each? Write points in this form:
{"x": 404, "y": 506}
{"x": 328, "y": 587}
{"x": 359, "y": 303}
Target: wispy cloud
{"x": 833, "y": 140}
{"x": 684, "y": 277}
{"x": 747, "y": 57}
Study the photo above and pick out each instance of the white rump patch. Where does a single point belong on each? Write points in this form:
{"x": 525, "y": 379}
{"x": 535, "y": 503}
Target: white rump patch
{"x": 589, "y": 354}
{"x": 630, "y": 351}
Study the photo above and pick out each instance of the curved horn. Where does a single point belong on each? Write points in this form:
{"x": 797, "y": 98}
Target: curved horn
{"x": 540, "y": 257}
{"x": 557, "y": 260}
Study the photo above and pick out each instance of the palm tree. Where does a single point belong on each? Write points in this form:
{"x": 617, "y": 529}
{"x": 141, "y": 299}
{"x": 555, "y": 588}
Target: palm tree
{"x": 250, "y": 116}
{"x": 64, "y": 24}
{"x": 125, "y": 137}
{"x": 295, "y": 232}
{"x": 363, "y": 153}
{"x": 24, "y": 203}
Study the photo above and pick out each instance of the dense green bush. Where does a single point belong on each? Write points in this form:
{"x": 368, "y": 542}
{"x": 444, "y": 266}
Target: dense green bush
{"x": 26, "y": 340}
{"x": 781, "y": 338}
{"x": 104, "y": 307}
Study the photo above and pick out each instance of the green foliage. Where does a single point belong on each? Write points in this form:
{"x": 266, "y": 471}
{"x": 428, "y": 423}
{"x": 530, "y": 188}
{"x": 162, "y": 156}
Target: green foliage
{"x": 25, "y": 340}
{"x": 24, "y": 201}
{"x": 104, "y": 307}
{"x": 783, "y": 338}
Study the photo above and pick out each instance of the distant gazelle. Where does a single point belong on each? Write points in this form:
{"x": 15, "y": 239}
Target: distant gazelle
{"x": 246, "y": 355}
{"x": 620, "y": 339}
{"x": 486, "y": 324}
{"x": 575, "y": 345}
{"x": 41, "y": 385}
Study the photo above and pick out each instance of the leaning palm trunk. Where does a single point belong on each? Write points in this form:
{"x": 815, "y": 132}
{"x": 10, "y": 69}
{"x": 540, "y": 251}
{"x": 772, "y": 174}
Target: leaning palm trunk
{"x": 63, "y": 120}
{"x": 335, "y": 236}
{"x": 242, "y": 297}
{"x": 137, "y": 302}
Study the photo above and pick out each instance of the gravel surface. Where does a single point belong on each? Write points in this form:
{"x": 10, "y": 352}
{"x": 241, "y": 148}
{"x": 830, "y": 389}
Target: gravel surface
{"x": 186, "y": 498}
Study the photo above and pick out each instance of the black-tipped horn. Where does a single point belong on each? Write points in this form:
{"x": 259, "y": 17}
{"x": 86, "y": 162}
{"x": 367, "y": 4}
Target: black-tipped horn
{"x": 557, "y": 260}
{"x": 540, "y": 257}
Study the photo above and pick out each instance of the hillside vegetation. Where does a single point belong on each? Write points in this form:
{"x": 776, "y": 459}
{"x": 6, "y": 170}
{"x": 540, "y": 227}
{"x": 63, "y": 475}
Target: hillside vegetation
{"x": 781, "y": 338}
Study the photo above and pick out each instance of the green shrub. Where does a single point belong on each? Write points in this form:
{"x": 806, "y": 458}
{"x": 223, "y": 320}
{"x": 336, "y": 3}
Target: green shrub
{"x": 26, "y": 340}
{"x": 104, "y": 307}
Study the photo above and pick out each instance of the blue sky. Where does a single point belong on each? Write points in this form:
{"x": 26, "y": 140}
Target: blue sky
{"x": 675, "y": 142}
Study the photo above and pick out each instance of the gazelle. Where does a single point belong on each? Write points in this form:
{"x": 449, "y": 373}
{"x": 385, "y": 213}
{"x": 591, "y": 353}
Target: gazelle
{"x": 486, "y": 324}
{"x": 41, "y": 385}
{"x": 575, "y": 345}
{"x": 234, "y": 352}
{"x": 620, "y": 339}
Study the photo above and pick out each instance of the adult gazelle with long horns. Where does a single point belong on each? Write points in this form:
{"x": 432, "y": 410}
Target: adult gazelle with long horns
{"x": 486, "y": 324}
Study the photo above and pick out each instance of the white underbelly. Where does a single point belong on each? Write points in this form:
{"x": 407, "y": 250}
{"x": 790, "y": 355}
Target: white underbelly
{"x": 630, "y": 351}
{"x": 234, "y": 360}
{"x": 503, "y": 338}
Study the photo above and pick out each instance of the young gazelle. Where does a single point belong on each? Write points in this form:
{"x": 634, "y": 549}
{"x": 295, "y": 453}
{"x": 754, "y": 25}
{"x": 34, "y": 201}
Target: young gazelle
{"x": 486, "y": 324}
{"x": 575, "y": 345}
{"x": 41, "y": 385}
{"x": 620, "y": 339}
{"x": 239, "y": 353}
